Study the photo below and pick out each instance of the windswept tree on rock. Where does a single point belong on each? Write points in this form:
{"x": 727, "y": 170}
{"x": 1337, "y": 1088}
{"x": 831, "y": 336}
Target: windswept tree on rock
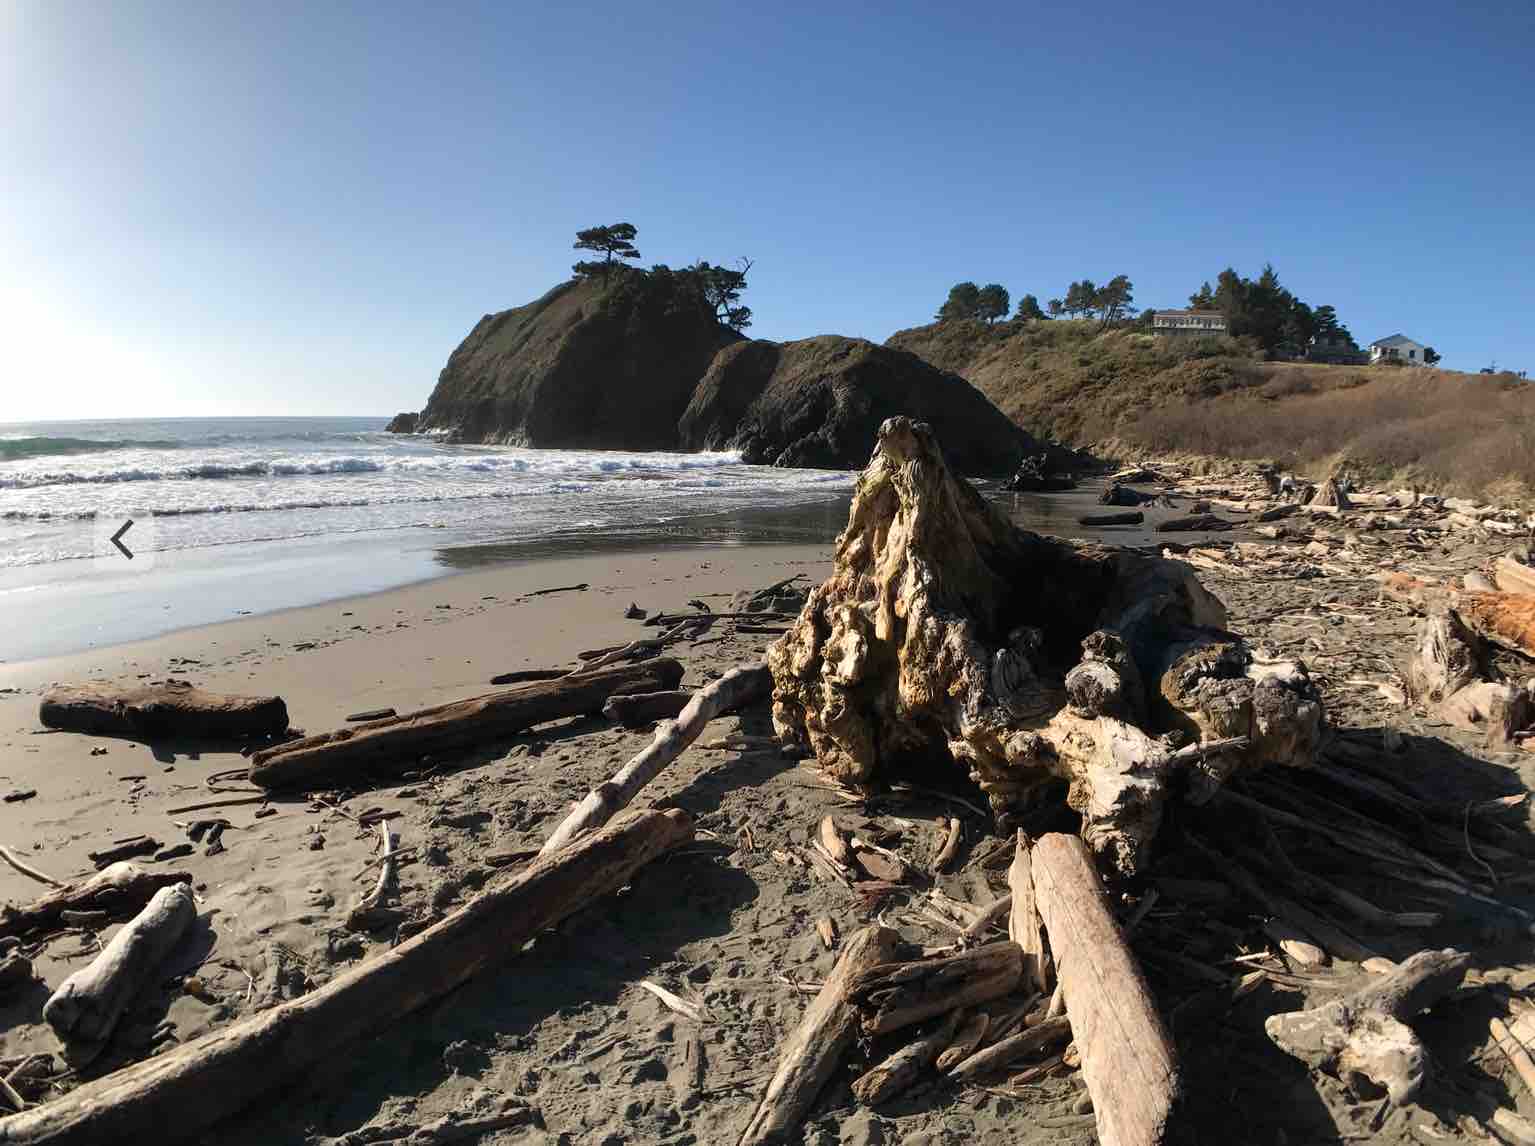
{"x": 616, "y": 240}
{"x": 964, "y": 301}
{"x": 722, "y": 288}
{"x": 992, "y": 302}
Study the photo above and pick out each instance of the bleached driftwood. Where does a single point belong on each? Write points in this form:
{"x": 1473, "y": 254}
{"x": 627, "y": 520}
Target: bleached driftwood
{"x": 738, "y": 687}
{"x": 1509, "y": 576}
{"x": 1364, "y": 1038}
{"x": 896, "y": 995}
{"x": 173, "y": 708}
{"x": 84, "y": 1010}
{"x": 945, "y": 629}
{"x": 119, "y": 889}
{"x": 366, "y": 913}
{"x": 815, "y": 1049}
{"x": 1024, "y": 926}
{"x": 882, "y": 1082}
{"x": 209, "y": 1078}
{"x": 1128, "y": 1060}
{"x": 1447, "y": 675}
{"x": 1047, "y": 1032}
{"x": 398, "y": 742}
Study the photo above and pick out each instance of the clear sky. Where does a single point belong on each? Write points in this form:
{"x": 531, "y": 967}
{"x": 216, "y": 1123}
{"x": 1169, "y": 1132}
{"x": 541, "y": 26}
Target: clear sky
{"x": 272, "y": 207}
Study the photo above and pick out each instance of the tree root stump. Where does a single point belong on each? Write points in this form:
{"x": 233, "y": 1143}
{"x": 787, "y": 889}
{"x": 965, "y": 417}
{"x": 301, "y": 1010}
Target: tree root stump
{"x": 945, "y": 630}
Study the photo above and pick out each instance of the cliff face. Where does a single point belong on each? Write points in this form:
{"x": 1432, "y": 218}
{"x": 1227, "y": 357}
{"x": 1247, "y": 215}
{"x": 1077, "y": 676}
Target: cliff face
{"x": 819, "y": 402}
{"x": 588, "y": 365}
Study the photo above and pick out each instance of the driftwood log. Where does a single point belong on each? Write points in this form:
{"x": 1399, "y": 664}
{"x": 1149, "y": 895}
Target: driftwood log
{"x": 883, "y": 1082}
{"x": 945, "y": 630}
{"x": 119, "y": 890}
{"x": 642, "y": 708}
{"x": 1041, "y": 1035}
{"x": 398, "y": 742}
{"x": 739, "y": 686}
{"x": 1127, "y": 1058}
{"x": 896, "y": 995}
{"x": 1024, "y": 926}
{"x": 213, "y": 1076}
{"x": 172, "y": 708}
{"x": 1364, "y": 1038}
{"x": 815, "y": 1049}
{"x": 1131, "y": 517}
{"x": 84, "y": 1011}
{"x": 1448, "y": 670}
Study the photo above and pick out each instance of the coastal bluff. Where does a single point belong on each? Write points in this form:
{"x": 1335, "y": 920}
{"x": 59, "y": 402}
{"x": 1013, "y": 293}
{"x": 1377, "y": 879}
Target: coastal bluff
{"x": 641, "y": 362}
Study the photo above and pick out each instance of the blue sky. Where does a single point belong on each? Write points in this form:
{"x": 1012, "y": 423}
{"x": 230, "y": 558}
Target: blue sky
{"x": 302, "y": 208}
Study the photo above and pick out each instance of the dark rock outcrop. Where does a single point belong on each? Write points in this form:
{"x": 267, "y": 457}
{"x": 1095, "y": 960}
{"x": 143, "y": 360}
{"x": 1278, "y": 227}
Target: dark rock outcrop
{"x": 590, "y": 364}
{"x": 819, "y": 403}
{"x": 403, "y": 423}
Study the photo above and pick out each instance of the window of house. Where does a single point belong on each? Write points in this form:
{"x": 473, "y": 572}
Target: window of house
{"x": 1412, "y": 354}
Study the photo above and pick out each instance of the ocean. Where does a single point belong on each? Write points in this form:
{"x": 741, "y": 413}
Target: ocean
{"x": 236, "y": 515}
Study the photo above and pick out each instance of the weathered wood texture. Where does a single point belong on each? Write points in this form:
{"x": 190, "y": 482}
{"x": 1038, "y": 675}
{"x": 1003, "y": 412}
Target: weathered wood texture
{"x": 739, "y": 686}
{"x": 1024, "y": 926}
{"x": 120, "y": 890}
{"x": 1363, "y": 1038}
{"x": 174, "y": 708}
{"x": 176, "y": 1096}
{"x": 1507, "y": 619}
{"x": 1512, "y": 577}
{"x": 896, "y": 995}
{"x": 348, "y": 753}
{"x": 643, "y": 707}
{"x": 1046, "y": 1033}
{"x": 815, "y": 1049}
{"x": 1127, "y": 1058}
{"x": 84, "y": 1010}
{"x": 884, "y": 1081}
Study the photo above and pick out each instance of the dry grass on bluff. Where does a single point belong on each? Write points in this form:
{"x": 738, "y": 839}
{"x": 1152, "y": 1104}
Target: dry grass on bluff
{"x": 1458, "y": 433}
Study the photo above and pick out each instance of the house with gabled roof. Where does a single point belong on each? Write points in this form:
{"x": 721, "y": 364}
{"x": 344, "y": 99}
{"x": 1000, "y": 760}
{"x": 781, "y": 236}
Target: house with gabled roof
{"x": 1397, "y": 348}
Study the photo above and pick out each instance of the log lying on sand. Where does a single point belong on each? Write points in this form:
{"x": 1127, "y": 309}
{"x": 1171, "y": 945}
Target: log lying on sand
{"x": 120, "y": 890}
{"x": 347, "y": 753}
{"x": 946, "y": 631}
{"x": 1363, "y": 1038}
{"x": 896, "y": 995}
{"x": 177, "y": 1095}
{"x": 1133, "y": 517}
{"x": 883, "y": 1082}
{"x": 737, "y": 687}
{"x": 1196, "y": 523}
{"x": 815, "y": 1049}
{"x": 1127, "y": 1058}
{"x": 641, "y": 708}
{"x": 84, "y": 1011}
{"x": 173, "y": 708}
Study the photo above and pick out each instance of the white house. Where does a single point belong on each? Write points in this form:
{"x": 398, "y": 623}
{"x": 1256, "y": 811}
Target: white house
{"x": 1397, "y": 348}
{"x": 1188, "y": 322}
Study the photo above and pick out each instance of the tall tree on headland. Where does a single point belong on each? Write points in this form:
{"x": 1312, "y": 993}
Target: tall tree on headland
{"x": 722, "y": 287}
{"x": 1113, "y": 298}
{"x": 1028, "y": 307}
{"x": 992, "y": 302}
{"x": 614, "y": 240}
{"x": 964, "y": 301}
{"x": 1081, "y": 298}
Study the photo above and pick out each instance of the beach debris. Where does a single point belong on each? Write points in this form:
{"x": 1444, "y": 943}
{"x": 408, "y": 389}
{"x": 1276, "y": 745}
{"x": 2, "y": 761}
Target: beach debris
{"x": 581, "y": 588}
{"x": 1024, "y": 925}
{"x": 123, "y": 850}
{"x": 19, "y": 794}
{"x": 1128, "y": 1060}
{"x": 27, "y": 869}
{"x": 739, "y": 686}
{"x": 370, "y": 912}
{"x": 946, "y": 630}
{"x": 813, "y": 1052}
{"x": 169, "y": 708}
{"x": 1043, "y": 1034}
{"x": 84, "y": 1010}
{"x": 635, "y": 710}
{"x": 826, "y": 928}
{"x": 953, "y": 836}
{"x": 15, "y": 971}
{"x": 1513, "y": 1043}
{"x": 1135, "y": 517}
{"x": 527, "y": 676}
{"x": 176, "y": 851}
{"x": 460, "y": 1126}
{"x": 1512, "y": 576}
{"x": 371, "y": 714}
{"x": 130, "y": 1104}
{"x": 897, "y": 994}
{"x": 397, "y": 743}
{"x": 883, "y": 1082}
{"x": 121, "y": 889}
{"x": 1195, "y": 523}
{"x": 1363, "y": 1039}
{"x": 634, "y": 613}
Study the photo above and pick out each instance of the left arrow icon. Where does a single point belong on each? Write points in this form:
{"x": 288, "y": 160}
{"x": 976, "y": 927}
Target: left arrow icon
{"x": 117, "y": 539}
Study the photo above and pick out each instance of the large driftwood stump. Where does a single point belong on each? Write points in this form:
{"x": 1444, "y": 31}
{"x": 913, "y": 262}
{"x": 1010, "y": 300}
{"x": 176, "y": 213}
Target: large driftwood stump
{"x": 119, "y": 890}
{"x": 1128, "y": 1060}
{"x": 174, "y": 708}
{"x": 944, "y": 629}
{"x": 212, "y": 1077}
{"x": 84, "y": 1011}
{"x": 398, "y": 741}
{"x": 1364, "y": 1038}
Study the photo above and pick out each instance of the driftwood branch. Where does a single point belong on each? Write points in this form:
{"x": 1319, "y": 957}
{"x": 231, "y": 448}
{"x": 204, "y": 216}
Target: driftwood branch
{"x": 342, "y": 755}
{"x": 211, "y": 1077}
{"x": 1127, "y": 1058}
{"x": 883, "y": 1082}
{"x": 815, "y": 1049}
{"x": 120, "y": 890}
{"x": 174, "y": 708}
{"x": 896, "y": 995}
{"x": 738, "y": 687}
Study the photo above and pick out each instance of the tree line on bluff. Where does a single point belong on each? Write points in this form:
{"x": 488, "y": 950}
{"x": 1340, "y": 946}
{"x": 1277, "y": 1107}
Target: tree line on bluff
{"x": 1261, "y": 310}
{"x": 719, "y": 288}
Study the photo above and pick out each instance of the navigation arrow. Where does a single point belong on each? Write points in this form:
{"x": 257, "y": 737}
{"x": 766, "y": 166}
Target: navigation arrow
{"x": 117, "y": 539}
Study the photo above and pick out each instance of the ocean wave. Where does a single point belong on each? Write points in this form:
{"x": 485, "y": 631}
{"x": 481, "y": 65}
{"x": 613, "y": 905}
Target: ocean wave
{"x": 21, "y": 448}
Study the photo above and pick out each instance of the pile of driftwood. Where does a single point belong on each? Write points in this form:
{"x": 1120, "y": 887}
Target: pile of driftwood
{"x": 1163, "y": 792}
